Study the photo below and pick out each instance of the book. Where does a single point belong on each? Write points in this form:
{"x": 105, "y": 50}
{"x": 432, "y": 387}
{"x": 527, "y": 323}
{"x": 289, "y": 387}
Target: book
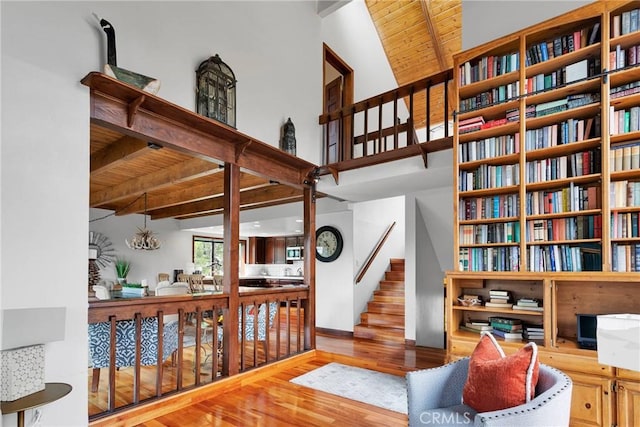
{"x": 506, "y": 320}
{"x": 498, "y": 305}
{"x": 478, "y": 327}
{"x": 507, "y": 335}
{"x": 527, "y": 308}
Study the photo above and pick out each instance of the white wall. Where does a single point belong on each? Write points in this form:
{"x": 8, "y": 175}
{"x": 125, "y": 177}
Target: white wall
{"x": 370, "y": 222}
{"x": 486, "y": 20}
{"x": 275, "y": 49}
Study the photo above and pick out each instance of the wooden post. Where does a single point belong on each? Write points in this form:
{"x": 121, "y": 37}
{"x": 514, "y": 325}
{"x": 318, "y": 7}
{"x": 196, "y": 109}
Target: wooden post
{"x": 230, "y": 265}
{"x": 310, "y": 267}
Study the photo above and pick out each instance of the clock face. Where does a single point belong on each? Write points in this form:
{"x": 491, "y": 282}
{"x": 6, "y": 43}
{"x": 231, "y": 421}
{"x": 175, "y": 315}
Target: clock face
{"x": 328, "y": 243}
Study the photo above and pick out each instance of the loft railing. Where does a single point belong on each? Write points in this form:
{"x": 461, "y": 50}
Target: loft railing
{"x": 374, "y": 126}
{"x": 200, "y": 357}
{"x": 374, "y": 253}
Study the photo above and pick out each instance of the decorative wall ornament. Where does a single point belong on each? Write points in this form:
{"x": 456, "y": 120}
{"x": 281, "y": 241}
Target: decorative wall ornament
{"x": 216, "y": 91}
{"x": 144, "y": 238}
{"x": 105, "y": 253}
{"x": 111, "y": 69}
{"x": 288, "y": 142}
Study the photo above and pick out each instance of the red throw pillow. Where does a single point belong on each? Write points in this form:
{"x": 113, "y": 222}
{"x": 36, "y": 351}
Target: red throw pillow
{"x": 496, "y": 381}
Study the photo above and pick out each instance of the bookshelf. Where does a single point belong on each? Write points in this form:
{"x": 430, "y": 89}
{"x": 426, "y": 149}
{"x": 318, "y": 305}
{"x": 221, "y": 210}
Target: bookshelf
{"x": 547, "y": 191}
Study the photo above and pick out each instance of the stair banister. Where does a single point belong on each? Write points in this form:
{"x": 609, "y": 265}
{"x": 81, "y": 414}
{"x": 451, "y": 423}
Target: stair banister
{"x": 374, "y": 253}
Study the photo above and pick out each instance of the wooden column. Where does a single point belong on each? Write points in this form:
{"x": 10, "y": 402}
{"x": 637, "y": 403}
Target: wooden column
{"x": 310, "y": 267}
{"x": 230, "y": 266}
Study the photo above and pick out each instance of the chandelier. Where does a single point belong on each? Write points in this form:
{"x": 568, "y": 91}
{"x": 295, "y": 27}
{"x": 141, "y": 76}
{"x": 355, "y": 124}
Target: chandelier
{"x": 144, "y": 239}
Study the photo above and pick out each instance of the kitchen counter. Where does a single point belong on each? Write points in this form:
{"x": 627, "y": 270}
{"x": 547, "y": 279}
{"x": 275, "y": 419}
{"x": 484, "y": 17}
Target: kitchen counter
{"x": 272, "y": 277}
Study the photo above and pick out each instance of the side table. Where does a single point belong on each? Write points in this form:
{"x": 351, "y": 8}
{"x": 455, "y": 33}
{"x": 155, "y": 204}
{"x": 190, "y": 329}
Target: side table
{"x": 51, "y": 393}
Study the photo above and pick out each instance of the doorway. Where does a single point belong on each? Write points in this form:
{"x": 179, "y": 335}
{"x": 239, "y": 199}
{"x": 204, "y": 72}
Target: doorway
{"x": 338, "y": 92}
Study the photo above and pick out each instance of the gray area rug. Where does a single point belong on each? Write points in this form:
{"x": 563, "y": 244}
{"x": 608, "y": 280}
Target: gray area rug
{"x": 371, "y": 387}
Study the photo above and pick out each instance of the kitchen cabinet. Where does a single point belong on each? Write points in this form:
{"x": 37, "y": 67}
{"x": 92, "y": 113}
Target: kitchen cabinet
{"x": 275, "y": 250}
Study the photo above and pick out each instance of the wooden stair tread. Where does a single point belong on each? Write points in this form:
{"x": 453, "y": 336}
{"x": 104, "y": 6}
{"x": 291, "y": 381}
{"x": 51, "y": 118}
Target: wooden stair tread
{"x": 379, "y": 333}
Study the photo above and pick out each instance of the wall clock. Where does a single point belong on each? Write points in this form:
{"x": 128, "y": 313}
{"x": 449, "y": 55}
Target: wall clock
{"x": 328, "y": 243}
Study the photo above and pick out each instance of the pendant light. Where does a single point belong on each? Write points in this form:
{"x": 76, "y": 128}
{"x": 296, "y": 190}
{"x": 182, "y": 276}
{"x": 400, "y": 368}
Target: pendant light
{"x": 144, "y": 238}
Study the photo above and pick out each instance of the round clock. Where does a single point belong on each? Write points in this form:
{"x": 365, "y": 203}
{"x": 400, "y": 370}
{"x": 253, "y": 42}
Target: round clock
{"x": 328, "y": 243}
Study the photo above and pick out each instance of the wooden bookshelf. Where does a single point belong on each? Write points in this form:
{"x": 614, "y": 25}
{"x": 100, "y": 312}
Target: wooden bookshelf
{"x": 566, "y": 229}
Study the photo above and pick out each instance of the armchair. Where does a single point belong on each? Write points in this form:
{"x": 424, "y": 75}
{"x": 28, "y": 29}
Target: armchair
{"x": 435, "y": 398}
{"x": 100, "y": 344}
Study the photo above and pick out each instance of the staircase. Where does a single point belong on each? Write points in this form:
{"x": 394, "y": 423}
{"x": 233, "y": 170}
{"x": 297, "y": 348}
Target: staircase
{"x": 384, "y": 319}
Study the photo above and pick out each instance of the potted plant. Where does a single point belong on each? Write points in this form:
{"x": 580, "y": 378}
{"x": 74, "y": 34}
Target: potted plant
{"x": 122, "y": 267}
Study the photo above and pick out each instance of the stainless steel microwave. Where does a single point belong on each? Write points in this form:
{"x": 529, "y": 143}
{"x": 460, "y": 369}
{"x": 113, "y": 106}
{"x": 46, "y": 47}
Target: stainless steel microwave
{"x": 295, "y": 253}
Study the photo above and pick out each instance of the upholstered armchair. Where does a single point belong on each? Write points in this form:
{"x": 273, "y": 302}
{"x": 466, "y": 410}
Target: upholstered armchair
{"x": 100, "y": 344}
{"x": 435, "y": 399}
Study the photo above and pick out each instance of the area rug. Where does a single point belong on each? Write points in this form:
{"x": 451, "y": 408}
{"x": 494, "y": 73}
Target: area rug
{"x": 364, "y": 385}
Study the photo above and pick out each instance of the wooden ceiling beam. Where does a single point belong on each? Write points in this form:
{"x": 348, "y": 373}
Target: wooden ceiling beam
{"x": 126, "y": 148}
{"x": 247, "y": 197}
{"x": 181, "y": 172}
{"x": 438, "y": 48}
{"x": 186, "y": 131}
{"x": 207, "y": 190}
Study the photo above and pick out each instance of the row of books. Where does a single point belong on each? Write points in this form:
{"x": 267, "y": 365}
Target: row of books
{"x": 621, "y": 58}
{"x": 568, "y": 103}
{"x": 624, "y": 225}
{"x": 570, "y": 228}
{"x": 498, "y": 206}
{"x": 624, "y": 90}
{"x": 496, "y": 146}
{"x": 489, "y": 176}
{"x": 564, "y": 258}
{"x": 564, "y": 44}
{"x": 500, "y": 232}
{"x": 624, "y": 121}
{"x": 577, "y": 164}
{"x": 488, "y": 67}
{"x": 624, "y": 194}
{"x": 568, "y": 199}
{"x": 625, "y": 157}
{"x": 506, "y": 327}
{"x": 493, "y": 96}
{"x": 471, "y": 124}
{"x": 571, "y": 130}
{"x": 499, "y": 258}
{"x": 625, "y": 257}
{"x": 565, "y": 75}
{"x": 625, "y": 23}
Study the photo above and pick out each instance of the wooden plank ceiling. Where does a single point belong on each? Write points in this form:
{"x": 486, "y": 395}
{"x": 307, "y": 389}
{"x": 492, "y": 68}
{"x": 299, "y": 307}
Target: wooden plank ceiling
{"x": 419, "y": 38}
{"x": 177, "y": 185}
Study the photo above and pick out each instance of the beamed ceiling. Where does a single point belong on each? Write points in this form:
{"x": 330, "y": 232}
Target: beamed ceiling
{"x": 419, "y": 38}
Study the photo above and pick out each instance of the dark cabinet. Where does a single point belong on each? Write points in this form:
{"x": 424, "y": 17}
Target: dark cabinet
{"x": 275, "y": 250}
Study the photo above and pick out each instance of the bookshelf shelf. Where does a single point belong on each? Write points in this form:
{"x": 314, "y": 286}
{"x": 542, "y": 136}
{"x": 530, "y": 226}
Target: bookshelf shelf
{"x": 586, "y": 109}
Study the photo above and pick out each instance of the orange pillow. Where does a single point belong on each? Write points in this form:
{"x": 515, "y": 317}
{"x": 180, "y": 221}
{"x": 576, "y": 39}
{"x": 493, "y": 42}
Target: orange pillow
{"x": 496, "y": 381}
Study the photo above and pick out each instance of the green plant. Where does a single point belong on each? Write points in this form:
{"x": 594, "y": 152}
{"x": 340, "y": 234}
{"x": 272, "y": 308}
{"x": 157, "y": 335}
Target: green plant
{"x": 122, "y": 267}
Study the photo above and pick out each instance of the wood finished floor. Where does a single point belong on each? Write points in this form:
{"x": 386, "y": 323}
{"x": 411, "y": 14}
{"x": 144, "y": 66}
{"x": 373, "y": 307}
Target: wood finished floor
{"x": 274, "y": 401}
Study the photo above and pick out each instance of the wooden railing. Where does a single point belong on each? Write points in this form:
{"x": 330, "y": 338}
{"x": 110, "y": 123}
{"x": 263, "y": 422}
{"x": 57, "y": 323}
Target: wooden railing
{"x": 199, "y": 358}
{"x": 374, "y": 253}
{"x": 373, "y": 126}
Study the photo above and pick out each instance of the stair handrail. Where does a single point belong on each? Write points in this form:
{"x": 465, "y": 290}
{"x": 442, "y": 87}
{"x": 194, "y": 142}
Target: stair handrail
{"x": 374, "y": 253}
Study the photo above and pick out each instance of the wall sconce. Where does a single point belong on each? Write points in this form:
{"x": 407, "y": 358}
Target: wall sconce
{"x": 216, "y": 91}
{"x": 24, "y": 332}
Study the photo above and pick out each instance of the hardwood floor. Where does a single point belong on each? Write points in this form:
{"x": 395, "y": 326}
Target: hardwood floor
{"x": 272, "y": 400}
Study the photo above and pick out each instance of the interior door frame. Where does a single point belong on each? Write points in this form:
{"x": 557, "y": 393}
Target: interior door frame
{"x": 331, "y": 58}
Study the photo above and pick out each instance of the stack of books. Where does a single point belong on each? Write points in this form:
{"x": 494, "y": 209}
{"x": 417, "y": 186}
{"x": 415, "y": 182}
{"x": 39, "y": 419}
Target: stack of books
{"x": 477, "y": 326}
{"x": 471, "y": 124}
{"x": 499, "y": 299}
{"x": 533, "y": 332}
{"x": 531, "y": 304}
{"x": 507, "y": 328}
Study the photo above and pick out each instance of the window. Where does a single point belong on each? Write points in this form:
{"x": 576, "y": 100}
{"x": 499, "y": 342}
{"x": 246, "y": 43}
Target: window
{"x": 208, "y": 254}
